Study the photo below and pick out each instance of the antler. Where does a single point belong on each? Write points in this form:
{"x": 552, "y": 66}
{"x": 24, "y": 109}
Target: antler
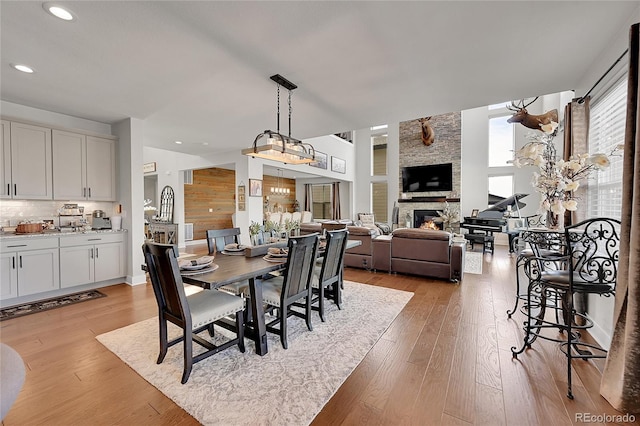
{"x": 520, "y": 105}
{"x": 534, "y": 99}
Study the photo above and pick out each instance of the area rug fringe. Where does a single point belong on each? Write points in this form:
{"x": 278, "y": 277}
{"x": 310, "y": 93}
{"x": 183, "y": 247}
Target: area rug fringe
{"x": 285, "y": 387}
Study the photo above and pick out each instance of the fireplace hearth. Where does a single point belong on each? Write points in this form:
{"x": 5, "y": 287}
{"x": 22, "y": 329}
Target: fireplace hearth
{"x": 429, "y": 219}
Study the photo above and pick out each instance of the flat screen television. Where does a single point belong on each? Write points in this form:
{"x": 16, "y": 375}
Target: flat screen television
{"x": 431, "y": 178}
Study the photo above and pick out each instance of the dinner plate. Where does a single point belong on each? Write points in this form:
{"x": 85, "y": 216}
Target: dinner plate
{"x": 268, "y": 258}
{"x": 196, "y": 267}
{"x": 241, "y": 248}
{"x": 278, "y": 255}
{"x": 210, "y": 268}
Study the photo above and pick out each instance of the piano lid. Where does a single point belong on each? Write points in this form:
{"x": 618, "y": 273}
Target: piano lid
{"x": 511, "y": 201}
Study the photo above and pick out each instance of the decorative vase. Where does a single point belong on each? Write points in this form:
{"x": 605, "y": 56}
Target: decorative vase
{"x": 254, "y": 240}
{"x": 555, "y": 221}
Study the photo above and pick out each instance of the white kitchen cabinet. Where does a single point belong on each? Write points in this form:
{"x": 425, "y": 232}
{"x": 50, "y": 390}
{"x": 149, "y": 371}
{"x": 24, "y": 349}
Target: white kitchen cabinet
{"x": 91, "y": 258}
{"x": 84, "y": 167}
{"x": 27, "y": 162}
{"x": 29, "y": 266}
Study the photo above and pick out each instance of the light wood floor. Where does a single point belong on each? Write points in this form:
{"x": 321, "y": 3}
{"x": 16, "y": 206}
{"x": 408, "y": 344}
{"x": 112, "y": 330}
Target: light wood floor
{"x": 444, "y": 360}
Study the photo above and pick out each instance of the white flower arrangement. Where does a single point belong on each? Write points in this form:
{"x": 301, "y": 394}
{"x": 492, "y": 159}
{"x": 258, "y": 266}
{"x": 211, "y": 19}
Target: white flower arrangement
{"x": 557, "y": 180}
{"x": 449, "y": 215}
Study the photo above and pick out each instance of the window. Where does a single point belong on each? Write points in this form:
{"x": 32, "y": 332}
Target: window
{"x": 500, "y": 141}
{"x": 321, "y": 201}
{"x": 608, "y": 114}
{"x": 500, "y": 187}
{"x": 379, "y": 157}
{"x": 379, "y": 201}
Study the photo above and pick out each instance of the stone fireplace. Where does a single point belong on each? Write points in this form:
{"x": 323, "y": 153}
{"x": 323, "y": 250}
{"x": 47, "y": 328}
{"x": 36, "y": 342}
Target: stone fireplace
{"x": 429, "y": 219}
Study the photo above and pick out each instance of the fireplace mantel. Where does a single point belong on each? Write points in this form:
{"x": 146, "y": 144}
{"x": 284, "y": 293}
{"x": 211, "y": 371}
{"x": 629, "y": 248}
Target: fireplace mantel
{"x": 440, "y": 199}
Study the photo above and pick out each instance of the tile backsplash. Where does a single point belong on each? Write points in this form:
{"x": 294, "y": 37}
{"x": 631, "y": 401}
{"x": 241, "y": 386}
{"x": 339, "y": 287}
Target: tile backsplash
{"x": 13, "y": 212}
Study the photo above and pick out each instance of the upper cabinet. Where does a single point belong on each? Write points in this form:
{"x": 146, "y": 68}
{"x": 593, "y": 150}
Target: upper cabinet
{"x": 26, "y": 162}
{"x": 84, "y": 167}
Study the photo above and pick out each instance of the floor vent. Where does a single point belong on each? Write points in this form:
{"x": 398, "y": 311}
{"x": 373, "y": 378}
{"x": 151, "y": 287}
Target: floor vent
{"x": 188, "y": 231}
{"x": 188, "y": 177}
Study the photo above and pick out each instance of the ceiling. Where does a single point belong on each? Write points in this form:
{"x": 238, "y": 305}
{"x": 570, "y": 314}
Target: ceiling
{"x": 199, "y": 71}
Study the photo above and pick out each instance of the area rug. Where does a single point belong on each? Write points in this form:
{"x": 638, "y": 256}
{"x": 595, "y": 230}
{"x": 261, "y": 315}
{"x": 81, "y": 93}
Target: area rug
{"x": 45, "y": 305}
{"x": 473, "y": 262}
{"x": 284, "y": 387}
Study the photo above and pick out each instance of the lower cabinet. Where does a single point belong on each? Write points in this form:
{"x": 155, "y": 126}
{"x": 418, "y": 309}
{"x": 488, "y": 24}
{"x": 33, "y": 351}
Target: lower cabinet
{"x": 28, "y": 267}
{"x": 91, "y": 258}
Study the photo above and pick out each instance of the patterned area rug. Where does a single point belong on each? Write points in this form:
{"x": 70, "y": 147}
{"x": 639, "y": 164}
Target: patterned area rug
{"x": 473, "y": 262}
{"x": 284, "y": 387}
{"x": 45, "y": 305}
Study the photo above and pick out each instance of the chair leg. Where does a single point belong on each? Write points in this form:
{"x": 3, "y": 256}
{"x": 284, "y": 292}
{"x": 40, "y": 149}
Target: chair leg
{"x": 164, "y": 345}
{"x": 308, "y": 309}
{"x": 240, "y": 330}
{"x": 569, "y": 339}
{"x": 188, "y": 356}
{"x": 321, "y": 289}
{"x": 283, "y": 326}
{"x": 512, "y": 311}
{"x": 211, "y": 330}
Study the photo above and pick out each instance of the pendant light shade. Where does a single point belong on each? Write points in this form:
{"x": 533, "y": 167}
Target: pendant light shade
{"x": 275, "y": 146}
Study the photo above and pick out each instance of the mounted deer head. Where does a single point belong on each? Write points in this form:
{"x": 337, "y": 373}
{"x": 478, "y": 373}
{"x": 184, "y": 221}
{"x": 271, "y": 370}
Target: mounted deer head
{"x": 546, "y": 122}
{"x": 427, "y": 131}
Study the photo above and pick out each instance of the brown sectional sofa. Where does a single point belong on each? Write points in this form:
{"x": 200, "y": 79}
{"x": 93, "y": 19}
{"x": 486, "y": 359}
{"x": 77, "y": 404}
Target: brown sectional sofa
{"x": 410, "y": 251}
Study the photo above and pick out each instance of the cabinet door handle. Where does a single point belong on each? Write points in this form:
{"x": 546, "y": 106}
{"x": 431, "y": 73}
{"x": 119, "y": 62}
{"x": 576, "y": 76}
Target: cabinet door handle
{"x": 13, "y": 258}
{"x": 17, "y": 245}
{"x": 96, "y": 252}
{"x": 94, "y": 239}
{"x": 20, "y": 262}
{"x": 89, "y": 192}
{"x": 90, "y": 253}
{"x": 8, "y": 189}
{"x": 15, "y": 189}
{"x": 84, "y": 192}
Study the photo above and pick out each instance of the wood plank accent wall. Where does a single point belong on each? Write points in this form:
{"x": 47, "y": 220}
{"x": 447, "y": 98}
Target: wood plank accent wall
{"x": 214, "y": 189}
{"x": 285, "y": 201}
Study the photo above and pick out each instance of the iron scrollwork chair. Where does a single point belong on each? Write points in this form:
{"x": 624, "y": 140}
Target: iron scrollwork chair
{"x": 592, "y": 268}
{"x": 538, "y": 245}
{"x": 194, "y": 313}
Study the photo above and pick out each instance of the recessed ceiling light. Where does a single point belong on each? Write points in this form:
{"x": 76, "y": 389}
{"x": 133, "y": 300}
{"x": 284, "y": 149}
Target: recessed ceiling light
{"x": 59, "y": 11}
{"x": 23, "y": 68}
{"x": 179, "y": 142}
{"x": 205, "y": 143}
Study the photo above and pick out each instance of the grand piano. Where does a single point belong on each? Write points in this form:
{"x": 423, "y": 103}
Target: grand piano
{"x": 482, "y": 226}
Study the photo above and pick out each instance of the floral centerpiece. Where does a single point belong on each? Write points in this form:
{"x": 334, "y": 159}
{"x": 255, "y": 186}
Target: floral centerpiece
{"x": 254, "y": 230}
{"x": 449, "y": 215}
{"x": 557, "y": 180}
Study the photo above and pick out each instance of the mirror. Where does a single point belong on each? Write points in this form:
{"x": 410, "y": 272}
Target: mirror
{"x": 166, "y": 205}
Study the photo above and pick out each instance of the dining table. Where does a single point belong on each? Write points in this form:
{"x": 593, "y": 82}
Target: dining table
{"x": 234, "y": 268}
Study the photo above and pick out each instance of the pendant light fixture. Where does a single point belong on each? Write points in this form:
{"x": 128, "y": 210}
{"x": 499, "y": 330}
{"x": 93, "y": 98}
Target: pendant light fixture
{"x": 275, "y": 146}
{"x": 279, "y": 189}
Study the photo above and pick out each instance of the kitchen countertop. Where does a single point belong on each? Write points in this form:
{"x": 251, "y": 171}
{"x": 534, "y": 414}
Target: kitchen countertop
{"x": 55, "y": 233}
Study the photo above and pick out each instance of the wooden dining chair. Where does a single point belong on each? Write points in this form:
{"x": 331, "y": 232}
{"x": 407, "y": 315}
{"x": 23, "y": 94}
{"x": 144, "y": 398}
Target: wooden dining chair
{"x": 217, "y": 239}
{"x": 194, "y": 313}
{"x": 292, "y": 286}
{"x": 326, "y": 281}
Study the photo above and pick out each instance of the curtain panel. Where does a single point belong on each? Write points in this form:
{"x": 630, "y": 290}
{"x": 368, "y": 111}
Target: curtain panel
{"x": 621, "y": 377}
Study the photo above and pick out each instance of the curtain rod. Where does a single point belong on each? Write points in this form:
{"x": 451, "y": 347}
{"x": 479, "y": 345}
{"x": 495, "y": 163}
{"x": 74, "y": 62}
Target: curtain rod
{"x": 581, "y": 100}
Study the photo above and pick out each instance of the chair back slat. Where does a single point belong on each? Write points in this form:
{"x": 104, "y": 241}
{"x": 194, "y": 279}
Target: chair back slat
{"x": 219, "y": 238}
{"x": 594, "y": 250}
{"x": 166, "y": 281}
{"x": 299, "y": 267}
{"x": 334, "y": 255}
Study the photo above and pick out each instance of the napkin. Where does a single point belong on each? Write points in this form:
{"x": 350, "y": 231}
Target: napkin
{"x": 233, "y": 246}
{"x": 195, "y": 262}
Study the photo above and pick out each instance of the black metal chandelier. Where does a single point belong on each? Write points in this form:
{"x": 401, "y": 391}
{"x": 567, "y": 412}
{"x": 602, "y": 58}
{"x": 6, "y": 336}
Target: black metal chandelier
{"x": 275, "y": 146}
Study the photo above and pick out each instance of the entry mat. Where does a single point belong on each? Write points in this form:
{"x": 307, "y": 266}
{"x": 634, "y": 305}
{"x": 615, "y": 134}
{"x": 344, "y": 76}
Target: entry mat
{"x": 45, "y": 305}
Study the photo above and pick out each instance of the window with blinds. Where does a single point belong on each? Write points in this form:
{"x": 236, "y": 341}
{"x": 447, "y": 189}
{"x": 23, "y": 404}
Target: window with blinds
{"x": 608, "y": 114}
{"x": 321, "y": 195}
{"x": 379, "y": 201}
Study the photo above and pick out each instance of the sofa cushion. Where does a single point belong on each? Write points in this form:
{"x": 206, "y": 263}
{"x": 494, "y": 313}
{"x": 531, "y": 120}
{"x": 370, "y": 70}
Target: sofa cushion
{"x": 427, "y": 234}
{"x": 360, "y": 230}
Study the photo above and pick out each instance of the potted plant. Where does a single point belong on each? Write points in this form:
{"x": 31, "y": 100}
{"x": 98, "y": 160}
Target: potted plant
{"x": 254, "y": 231}
{"x": 272, "y": 228}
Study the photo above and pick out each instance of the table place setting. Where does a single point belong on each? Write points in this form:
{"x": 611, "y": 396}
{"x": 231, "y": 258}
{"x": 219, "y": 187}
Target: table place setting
{"x": 201, "y": 265}
{"x": 276, "y": 255}
{"x": 234, "y": 249}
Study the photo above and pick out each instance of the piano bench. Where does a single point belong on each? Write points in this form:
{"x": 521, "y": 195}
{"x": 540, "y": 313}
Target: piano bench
{"x": 485, "y": 239}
